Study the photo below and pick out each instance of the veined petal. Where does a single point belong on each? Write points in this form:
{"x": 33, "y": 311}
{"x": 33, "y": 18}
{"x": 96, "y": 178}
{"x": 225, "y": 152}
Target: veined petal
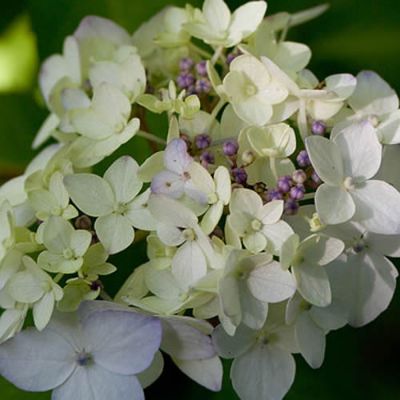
{"x": 122, "y": 177}
{"x": 37, "y": 361}
{"x": 115, "y": 232}
{"x": 123, "y": 342}
{"x": 360, "y": 162}
{"x": 377, "y": 207}
{"x": 264, "y": 372}
{"x": 326, "y": 158}
{"x": 92, "y": 194}
{"x": 334, "y": 204}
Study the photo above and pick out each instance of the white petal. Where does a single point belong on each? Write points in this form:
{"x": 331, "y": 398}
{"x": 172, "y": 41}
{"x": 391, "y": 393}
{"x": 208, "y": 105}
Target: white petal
{"x": 377, "y": 207}
{"x": 189, "y": 264}
{"x": 313, "y": 284}
{"x": 184, "y": 342}
{"x": 233, "y": 346}
{"x": 264, "y": 372}
{"x": 43, "y": 310}
{"x": 334, "y": 205}
{"x": 206, "y": 372}
{"x": 363, "y": 285}
{"x": 92, "y": 194}
{"x": 311, "y": 340}
{"x": 373, "y": 96}
{"x": 360, "y": 162}
{"x": 122, "y": 177}
{"x": 326, "y": 158}
{"x": 247, "y": 18}
{"x": 388, "y": 130}
{"x": 271, "y": 212}
{"x": 36, "y": 361}
{"x": 123, "y": 342}
{"x": 270, "y": 283}
{"x": 276, "y": 235}
{"x": 114, "y": 232}
{"x": 217, "y": 15}
{"x": 321, "y": 249}
{"x": 96, "y": 383}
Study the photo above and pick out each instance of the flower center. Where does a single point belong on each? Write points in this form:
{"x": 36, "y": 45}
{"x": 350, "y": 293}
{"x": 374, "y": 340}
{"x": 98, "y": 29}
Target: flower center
{"x": 256, "y": 225}
{"x": 189, "y": 234}
{"x": 83, "y": 359}
{"x": 348, "y": 183}
{"x": 250, "y": 90}
{"x": 68, "y": 254}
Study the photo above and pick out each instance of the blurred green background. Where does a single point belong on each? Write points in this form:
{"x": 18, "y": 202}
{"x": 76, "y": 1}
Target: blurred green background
{"x": 352, "y": 35}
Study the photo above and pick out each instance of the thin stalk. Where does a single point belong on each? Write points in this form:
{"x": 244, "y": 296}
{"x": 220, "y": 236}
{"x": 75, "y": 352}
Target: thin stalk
{"x": 151, "y": 137}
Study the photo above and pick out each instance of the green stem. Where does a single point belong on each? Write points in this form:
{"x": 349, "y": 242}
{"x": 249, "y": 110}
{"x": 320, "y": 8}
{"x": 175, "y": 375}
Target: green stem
{"x": 309, "y": 196}
{"x": 151, "y": 137}
{"x": 200, "y": 51}
{"x": 218, "y": 54}
{"x": 215, "y": 112}
{"x": 272, "y": 165}
{"x": 58, "y": 277}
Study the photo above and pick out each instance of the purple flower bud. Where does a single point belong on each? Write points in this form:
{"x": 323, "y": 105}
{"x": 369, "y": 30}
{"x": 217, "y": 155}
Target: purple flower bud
{"x": 201, "y": 68}
{"x": 231, "y": 56}
{"x": 186, "y": 138}
{"x": 302, "y": 159}
{"x": 207, "y": 158}
{"x": 285, "y": 183}
{"x": 299, "y": 176}
{"x": 318, "y": 128}
{"x": 239, "y": 175}
{"x": 184, "y": 80}
{"x": 202, "y": 85}
{"x": 274, "y": 194}
{"x": 202, "y": 141}
{"x": 230, "y": 147}
{"x": 315, "y": 177}
{"x": 297, "y": 192}
{"x": 291, "y": 207}
{"x": 186, "y": 64}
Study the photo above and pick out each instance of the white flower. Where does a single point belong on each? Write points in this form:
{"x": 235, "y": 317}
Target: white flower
{"x": 375, "y": 101}
{"x": 258, "y": 225}
{"x": 34, "y": 286}
{"x": 113, "y": 200}
{"x": 248, "y": 284}
{"x": 178, "y": 226}
{"x": 253, "y": 90}
{"x": 363, "y": 279}
{"x": 346, "y": 167}
{"x": 65, "y": 247}
{"x": 307, "y": 260}
{"x": 263, "y": 367}
{"x": 217, "y": 26}
{"x": 90, "y": 355}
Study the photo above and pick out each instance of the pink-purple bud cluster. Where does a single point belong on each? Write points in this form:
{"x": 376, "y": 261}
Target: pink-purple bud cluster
{"x": 193, "y": 76}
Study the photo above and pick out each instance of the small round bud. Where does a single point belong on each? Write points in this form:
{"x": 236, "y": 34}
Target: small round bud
{"x": 230, "y": 147}
{"x": 318, "y": 128}
{"x": 299, "y": 176}
{"x": 285, "y": 183}
{"x": 201, "y": 68}
{"x": 302, "y": 159}
{"x": 207, "y": 158}
{"x": 202, "y": 85}
{"x": 239, "y": 175}
{"x": 274, "y": 194}
{"x": 185, "y": 80}
{"x": 202, "y": 141}
{"x": 297, "y": 192}
{"x": 83, "y": 222}
{"x": 186, "y": 64}
{"x": 291, "y": 207}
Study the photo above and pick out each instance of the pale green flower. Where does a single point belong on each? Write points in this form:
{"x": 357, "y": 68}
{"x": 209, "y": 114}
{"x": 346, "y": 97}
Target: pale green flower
{"x": 65, "y": 247}
{"x": 259, "y": 226}
{"x": 113, "y": 199}
{"x": 217, "y": 26}
{"x": 252, "y": 90}
{"x": 34, "y": 286}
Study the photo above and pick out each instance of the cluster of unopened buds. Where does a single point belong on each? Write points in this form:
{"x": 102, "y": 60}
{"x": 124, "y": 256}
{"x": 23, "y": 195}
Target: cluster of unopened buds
{"x": 269, "y": 208}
